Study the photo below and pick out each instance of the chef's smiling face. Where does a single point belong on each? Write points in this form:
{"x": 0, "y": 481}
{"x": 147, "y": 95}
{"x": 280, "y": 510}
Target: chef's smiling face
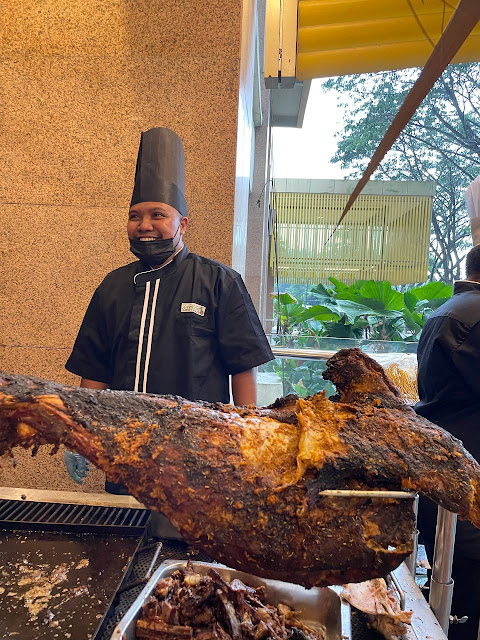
{"x": 155, "y": 221}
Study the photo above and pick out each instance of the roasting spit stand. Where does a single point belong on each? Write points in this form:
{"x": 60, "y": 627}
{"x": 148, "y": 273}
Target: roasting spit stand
{"x": 90, "y": 518}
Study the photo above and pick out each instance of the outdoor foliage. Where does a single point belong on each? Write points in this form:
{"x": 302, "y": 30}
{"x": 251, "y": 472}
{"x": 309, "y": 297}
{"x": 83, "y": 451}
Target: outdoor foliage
{"x": 365, "y": 310}
{"x": 441, "y": 143}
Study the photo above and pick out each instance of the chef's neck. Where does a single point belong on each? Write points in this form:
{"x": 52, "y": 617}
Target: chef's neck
{"x": 169, "y": 259}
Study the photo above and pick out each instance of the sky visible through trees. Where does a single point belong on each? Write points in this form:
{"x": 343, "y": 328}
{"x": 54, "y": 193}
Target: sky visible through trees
{"x": 440, "y": 143}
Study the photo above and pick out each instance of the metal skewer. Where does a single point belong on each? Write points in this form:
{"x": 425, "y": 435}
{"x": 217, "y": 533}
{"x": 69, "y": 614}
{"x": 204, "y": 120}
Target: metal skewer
{"x": 353, "y": 493}
{"x": 411, "y": 560}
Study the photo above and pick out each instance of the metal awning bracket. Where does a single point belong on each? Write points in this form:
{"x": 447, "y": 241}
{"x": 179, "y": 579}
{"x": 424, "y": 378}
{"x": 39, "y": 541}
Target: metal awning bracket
{"x": 281, "y": 43}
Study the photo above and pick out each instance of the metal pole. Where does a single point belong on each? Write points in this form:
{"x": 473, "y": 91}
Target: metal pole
{"x": 441, "y": 588}
{"x": 360, "y": 493}
{"x": 411, "y": 560}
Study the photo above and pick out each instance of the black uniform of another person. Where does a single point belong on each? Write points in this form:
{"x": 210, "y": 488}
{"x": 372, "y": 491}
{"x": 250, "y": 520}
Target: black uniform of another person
{"x": 449, "y": 390}
{"x": 182, "y": 328}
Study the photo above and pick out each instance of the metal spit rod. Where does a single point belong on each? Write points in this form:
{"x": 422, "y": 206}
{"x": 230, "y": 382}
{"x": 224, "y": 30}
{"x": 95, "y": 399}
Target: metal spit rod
{"x": 411, "y": 560}
{"x": 353, "y": 493}
{"x": 441, "y": 588}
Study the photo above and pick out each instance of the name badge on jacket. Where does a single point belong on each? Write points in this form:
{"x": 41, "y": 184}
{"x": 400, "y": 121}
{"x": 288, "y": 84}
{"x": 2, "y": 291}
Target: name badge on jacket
{"x": 192, "y": 307}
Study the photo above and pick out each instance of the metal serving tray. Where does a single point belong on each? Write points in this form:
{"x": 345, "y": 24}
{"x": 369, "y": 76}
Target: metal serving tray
{"x": 320, "y": 607}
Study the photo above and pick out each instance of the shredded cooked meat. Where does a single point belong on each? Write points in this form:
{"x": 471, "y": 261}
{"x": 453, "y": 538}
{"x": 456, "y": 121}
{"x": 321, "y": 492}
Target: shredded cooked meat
{"x": 189, "y": 605}
{"x": 378, "y": 602}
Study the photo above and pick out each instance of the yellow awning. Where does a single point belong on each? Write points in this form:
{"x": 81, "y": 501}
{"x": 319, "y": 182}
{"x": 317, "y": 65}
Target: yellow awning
{"x": 341, "y": 37}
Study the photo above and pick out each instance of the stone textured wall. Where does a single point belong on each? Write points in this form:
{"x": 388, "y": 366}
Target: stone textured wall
{"x": 80, "y": 81}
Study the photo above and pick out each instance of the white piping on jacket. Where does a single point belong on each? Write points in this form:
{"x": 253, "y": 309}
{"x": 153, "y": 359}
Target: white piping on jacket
{"x": 150, "y": 333}
{"x": 140, "y": 337}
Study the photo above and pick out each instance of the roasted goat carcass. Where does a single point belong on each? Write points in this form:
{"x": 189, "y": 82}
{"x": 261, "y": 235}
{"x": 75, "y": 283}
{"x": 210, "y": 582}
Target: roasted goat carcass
{"x": 245, "y": 484}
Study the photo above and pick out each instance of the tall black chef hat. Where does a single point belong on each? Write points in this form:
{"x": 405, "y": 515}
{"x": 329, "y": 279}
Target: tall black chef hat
{"x": 160, "y": 172}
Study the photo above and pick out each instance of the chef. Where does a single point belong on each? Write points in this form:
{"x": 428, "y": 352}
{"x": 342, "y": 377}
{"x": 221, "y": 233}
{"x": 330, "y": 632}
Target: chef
{"x": 171, "y": 322}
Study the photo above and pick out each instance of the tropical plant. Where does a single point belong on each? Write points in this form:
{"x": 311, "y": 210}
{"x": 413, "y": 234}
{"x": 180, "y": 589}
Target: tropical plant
{"x": 364, "y": 310}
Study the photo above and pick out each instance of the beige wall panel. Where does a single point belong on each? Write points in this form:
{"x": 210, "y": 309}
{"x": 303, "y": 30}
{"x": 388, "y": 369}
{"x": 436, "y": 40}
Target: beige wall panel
{"x": 67, "y": 141}
{"x": 80, "y": 81}
{"x": 43, "y": 362}
{"x": 112, "y": 28}
{"x": 54, "y": 267}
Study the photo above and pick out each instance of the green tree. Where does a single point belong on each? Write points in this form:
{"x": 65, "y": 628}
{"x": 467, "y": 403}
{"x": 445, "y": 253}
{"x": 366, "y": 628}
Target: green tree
{"x": 441, "y": 142}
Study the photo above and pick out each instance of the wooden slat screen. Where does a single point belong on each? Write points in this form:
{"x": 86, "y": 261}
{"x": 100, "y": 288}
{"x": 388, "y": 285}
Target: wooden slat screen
{"x": 385, "y": 237}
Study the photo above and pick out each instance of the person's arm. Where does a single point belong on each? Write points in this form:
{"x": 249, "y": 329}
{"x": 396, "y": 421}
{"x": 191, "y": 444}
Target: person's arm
{"x": 93, "y": 384}
{"x": 242, "y": 343}
{"x": 466, "y": 360}
{"x": 244, "y": 387}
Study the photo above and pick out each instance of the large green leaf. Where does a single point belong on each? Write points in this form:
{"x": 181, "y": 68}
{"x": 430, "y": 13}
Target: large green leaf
{"x": 361, "y": 322}
{"x": 435, "y": 292}
{"x": 300, "y": 390}
{"x": 294, "y": 310}
{"x": 339, "y": 286}
{"x": 320, "y": 299}
{"x": 321, "y": 289}
{"x": 413, "y": 321}
{"x": 318, "y": 312}
{"x": 374, "y": 307}
{"x": 354, "y": 309}
{"x": 374, "y": 295}
{"x": 341, "y": 330}
{"x": 358, "y": 284}
{"x": 384, "y": 293}
{"x": 286, "y": 298}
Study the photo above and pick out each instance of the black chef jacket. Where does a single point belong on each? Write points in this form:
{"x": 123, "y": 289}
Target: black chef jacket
{"x": 181, "y": 329}
{"x": 449, "y": 366}
{"x": 449, "y": 391}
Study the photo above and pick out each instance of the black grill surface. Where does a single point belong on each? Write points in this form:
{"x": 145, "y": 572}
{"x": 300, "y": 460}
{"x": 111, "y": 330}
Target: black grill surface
{"x": 59, "y": 584}
{"x": 72, "y": 517}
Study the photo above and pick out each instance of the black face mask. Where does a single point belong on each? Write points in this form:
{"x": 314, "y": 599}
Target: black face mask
{"x": 154, "y": 251}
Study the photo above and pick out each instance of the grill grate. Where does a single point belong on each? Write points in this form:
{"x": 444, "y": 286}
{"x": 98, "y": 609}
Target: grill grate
{"x": 360, "y": 628}
{"x": 86, "y": 518}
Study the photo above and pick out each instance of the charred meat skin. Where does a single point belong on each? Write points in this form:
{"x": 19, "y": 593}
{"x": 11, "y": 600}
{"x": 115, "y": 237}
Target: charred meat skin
{"x": 244, "y": 486}
{"x": 424, "y": 456}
